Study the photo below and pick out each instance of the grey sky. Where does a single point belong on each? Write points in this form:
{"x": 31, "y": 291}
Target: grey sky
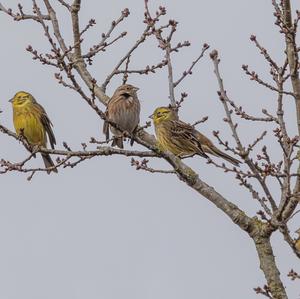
{"x": 103, "y": 229}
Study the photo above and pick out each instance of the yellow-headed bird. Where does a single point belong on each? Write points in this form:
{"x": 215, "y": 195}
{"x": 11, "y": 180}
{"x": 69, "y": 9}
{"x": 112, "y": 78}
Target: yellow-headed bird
{"x": 182, "y": 139}
{"x": 123, "y": 109}
{"x": 31, "y": 120}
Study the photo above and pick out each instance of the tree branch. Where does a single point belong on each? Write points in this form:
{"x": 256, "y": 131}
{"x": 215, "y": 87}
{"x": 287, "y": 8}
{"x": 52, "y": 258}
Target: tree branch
{"x": 20, "y": 16}
{"x": 224, "y": 99}
{"x": 293, "y": 62}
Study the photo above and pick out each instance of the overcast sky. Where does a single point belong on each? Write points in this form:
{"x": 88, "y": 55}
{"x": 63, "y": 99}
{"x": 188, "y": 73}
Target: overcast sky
{"x": 103, "y": 229}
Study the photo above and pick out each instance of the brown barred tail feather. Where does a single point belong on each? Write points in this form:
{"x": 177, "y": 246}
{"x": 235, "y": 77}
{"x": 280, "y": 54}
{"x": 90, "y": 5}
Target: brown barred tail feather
{"x": 48, "y": 163}
{"x": 215, "y": 151}
{"x": 118, "y": 141}
{"x": 106, "y": 129}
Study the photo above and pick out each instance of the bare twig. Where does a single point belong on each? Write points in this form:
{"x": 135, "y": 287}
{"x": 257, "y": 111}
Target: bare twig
{"x": 224, "y": 99}
{"x": 20, "y": 16}
{"x": 189, "y": 70}
{"x": 143, "y": 165}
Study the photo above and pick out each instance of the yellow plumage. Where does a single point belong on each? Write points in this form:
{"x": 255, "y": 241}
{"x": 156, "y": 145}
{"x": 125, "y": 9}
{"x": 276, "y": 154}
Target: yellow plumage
{"x": 182, "y": 139}
{"x": 25, "y": 119}
{"x": 31, "y": 120}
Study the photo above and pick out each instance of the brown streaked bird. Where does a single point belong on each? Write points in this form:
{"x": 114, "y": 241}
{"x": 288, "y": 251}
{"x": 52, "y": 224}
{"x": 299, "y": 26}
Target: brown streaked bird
{"x": 123, "y": 109}
{"x": 181, "y": 138}
{"x": 31, "y": 120}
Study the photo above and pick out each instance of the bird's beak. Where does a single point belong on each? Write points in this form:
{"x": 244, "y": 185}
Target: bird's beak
{"x": 136, "y": 89}
{"x": 151, "y": 116}
{"x": 11, "y": 100}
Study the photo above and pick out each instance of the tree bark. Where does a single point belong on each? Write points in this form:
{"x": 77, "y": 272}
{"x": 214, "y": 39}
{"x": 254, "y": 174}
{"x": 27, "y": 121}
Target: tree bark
{"x": 293, "y": 61}
{"x": 261, "y": 234}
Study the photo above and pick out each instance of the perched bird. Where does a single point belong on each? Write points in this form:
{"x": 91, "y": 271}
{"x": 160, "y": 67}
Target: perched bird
{"x": 31, "y": 121}
{"x": 297, "y": 241}
{"x": 123, "y": 109}
{"x": 182, "y": 139}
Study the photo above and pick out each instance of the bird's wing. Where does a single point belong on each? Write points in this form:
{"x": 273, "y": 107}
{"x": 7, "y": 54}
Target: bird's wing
{"x": 47, "y": 124}
{"x": 183, "y": 131}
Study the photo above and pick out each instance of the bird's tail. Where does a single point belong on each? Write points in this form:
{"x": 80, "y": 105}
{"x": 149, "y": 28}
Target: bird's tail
{"x": 48, "y": 163}
{"x": 216, "y": 152}
{"x": 106, "y": 129}
{"x": 118, "y": 141}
